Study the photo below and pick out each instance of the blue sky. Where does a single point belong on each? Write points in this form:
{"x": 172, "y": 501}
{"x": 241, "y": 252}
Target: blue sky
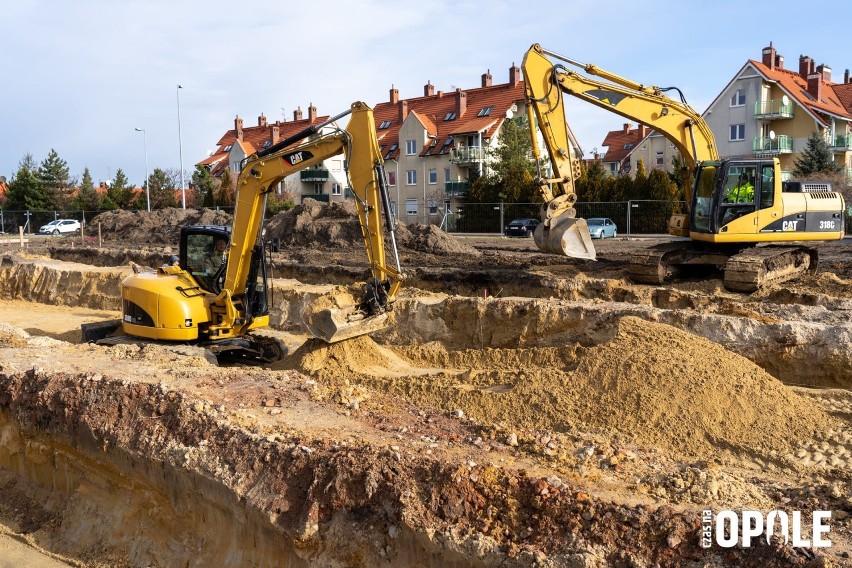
{"x": 81, "y": 76}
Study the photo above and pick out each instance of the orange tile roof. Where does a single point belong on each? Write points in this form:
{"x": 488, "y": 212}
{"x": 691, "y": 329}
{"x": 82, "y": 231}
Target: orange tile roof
{"x": 844, "y": 94}
{"x": 254, "y": 138}
{"x": 616, "y": 141}
{"x": 432, "y": 111}
{"x": 797, "y": 87}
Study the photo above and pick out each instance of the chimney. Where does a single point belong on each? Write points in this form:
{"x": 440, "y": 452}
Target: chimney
{"x": 403, "y": 111}
{"x": 643, "y": 132}
{"x": 514, "y": 75}
{"x": 394, "y": 96}
{"x": 274, "y": 134}
{"x": 261, "y": 121}
{"x": 428, "y": 89}
{"x": 815, "y": 85}
{"x": 486, "y": 78}
{"x": 312, "y": 113}
{"x": 846, "y": 77}
{"x": 238, "y": 128}
{"x": 806, "y": 66}
{"x": 297, "y": 114}
{"x": 825, "y": 71}
{"x": 769, "y": 57}
{"x": 626, "y": 128}
{"x": 461, "y": 102}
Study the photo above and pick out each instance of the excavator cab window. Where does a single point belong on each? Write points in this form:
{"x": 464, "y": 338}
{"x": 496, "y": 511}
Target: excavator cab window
{"x": 737, "y": 193}
{"x": 203, "y": 256}
{"x": 705, "y": 185}
{"x": 767, "y": 186}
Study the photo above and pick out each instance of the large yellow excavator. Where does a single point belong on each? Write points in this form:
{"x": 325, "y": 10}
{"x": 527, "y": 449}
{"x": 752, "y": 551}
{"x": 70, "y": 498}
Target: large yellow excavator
{"x": 723, "y": 231}
{"x": 215, "y": 298}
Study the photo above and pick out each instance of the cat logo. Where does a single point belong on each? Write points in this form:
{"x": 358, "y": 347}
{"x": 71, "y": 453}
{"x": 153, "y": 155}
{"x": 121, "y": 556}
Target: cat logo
{"x": 789, "y": 226}
{"x": 294, "y": 158}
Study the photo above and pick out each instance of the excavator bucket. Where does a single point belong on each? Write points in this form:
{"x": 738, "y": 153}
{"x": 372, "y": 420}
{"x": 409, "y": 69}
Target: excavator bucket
{"x": 568, "y": 236}
{"x": 338, "y": 316}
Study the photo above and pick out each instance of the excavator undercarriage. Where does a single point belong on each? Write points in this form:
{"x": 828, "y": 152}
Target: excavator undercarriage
{"x": 746, "y": 269}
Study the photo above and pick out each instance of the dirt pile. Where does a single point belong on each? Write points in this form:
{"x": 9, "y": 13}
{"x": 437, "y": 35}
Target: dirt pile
{"x": 652, "y": 383}
{"x": 158, "y": 227}
{"x": 313, "y": 223}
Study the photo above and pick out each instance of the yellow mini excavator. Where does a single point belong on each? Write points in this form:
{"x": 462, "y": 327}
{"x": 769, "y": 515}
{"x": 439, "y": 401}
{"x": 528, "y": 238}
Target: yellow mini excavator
{"x": 724, "y": 232}
{"x": 217, "y": 302}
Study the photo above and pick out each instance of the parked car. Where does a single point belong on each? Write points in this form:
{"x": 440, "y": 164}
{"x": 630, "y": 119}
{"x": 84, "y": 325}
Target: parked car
{"x": 601, "y": 228}
{"x": 60, "y": 226}
{"x": 521, "y": 228}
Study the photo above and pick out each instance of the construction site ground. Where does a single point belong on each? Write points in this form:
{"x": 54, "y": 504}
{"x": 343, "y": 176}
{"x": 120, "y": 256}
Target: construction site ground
{"x": 522, "y": 409}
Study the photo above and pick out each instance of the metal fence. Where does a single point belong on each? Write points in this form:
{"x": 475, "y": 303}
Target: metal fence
{"x": 635, "y": 217}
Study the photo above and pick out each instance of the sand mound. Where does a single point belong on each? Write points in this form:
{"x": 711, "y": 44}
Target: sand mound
{"x": 652, "y": 383}
{"x": 676, "y": 390}
{"x": 158, "y": 227}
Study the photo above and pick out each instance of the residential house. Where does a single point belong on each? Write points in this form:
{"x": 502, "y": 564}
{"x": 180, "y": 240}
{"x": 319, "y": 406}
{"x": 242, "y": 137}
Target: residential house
{"x": 767, "y": 110}
{"x": 326, "y": 182}
{"x": 431, "y": 144}
{"x": 621, "y": 145}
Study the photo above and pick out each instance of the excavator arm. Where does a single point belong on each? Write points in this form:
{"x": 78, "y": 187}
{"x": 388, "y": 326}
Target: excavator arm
{"x": 263, "y": 171}
{"x": 545, "y": 84}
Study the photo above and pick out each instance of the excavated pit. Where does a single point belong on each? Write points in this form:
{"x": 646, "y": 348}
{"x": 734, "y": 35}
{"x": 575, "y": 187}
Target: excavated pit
{"x": 520, "y": 411}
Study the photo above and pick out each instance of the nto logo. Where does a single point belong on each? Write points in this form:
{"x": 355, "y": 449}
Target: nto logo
{"x": 725, "y": 528}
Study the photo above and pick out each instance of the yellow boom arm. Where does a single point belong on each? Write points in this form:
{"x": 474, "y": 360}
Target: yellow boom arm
{"x": 264, "y": 170}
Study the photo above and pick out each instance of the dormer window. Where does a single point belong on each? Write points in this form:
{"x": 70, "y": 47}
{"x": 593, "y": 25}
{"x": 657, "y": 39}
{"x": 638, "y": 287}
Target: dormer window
{"x": 486, "y": 111}
{"x": 385, "y": 125}
{"x": 227, "y": 148}
{"x": 450, "y": 116}
{"x": 267, "y": 144}
{"x": 628, "y": 146}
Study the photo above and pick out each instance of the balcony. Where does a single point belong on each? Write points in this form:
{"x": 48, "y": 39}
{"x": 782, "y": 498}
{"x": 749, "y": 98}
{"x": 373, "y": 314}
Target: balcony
{"x": 773, "y": 109}
{"x": 842, "y": 143}
{"x": 456, "y": 188}
{"x": 316, "y": 196}
{"x": 766, "y": 146}
{"x": 466, "y": 154}
{"x": 314, "y": 175}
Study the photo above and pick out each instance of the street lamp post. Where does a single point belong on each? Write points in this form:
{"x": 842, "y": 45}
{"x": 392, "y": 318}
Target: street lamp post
{"x": 147, "y": 189}
{"x": 180, "y": 149}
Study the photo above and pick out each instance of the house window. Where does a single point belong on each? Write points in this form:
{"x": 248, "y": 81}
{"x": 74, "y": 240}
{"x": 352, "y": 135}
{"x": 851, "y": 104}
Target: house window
{"x": 486, "y": 111}
{"x": 411, "y": 206}
{"x": 737, "y": 132}
{"x": 410, "y": 147}
{"x": 336, "y": 189}
{"x": 411, "y": 177}
{"x": 659, "y": 158}
{"x": 385, "y": 124}
{"x": 318, "y": 188}
{"x": 449, "y": 116}
{"x": 446, "y": 174}
{"x": 738, "y": 98}
{"x": 433, "y": 176}
{"x": 391, "y": 178}
{"x": 227, "y": 148}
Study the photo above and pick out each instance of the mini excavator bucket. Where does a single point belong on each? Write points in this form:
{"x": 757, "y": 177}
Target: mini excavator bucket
{"x": 336, "y": 325}
{"x": 567, "y": 236}
{"x": 341, "y": 315}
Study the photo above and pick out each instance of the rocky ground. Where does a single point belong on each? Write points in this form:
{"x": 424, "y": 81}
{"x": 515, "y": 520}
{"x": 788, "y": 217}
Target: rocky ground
{"x": 521, "y": 410}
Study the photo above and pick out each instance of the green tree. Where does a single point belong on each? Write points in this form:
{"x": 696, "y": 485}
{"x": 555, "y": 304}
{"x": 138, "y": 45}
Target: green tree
{"x": 119, "y": 194}
{"x": 162, "y": 189}
{"x": 640, "y": 190}
{"x": 512, "y": 166}
{"x": 53, "y": 173}
{"x": 87, "y": 197}
{"x": 227, "y": 185}
{"x": 25, "y": 191}
{"x": 817, "y": 158}
{"x": 205, "y": 185}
